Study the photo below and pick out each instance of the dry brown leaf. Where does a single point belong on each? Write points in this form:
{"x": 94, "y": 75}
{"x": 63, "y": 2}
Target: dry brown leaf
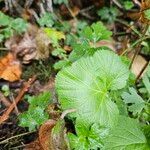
{"x": 34, "y": 44}
{"x": 10, "y": 68}
{"x": 45, "y": 134}
{"x": 35, "y": 145}
{"x": 138, "y": 64}
{"x": 109, "y": 44}
{"x": 144, "y": 6}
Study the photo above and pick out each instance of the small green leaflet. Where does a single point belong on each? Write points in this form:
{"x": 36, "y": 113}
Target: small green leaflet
{"x": 97, "y": 31}
{"x": 88, "y": 137}
{"x": 128, "y": 4}
{"x": 5, "y": 20}
{"x": 36, "y": 115}
{"x": 47, "y": 20}
{"x": 86, "y": 84}
{"x": 133, "y": 98}
{"x": 108, "y": 14}
{"x": 127, "y": 135}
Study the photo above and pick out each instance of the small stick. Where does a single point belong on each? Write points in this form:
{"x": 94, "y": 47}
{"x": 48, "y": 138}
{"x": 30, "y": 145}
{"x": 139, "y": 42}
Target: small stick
{"x": 16, "y": 136}
{"x": 49, "y": 5}
{"x": 5, "y": 116}
{"x": 141, "y": 72}
{"x": 4, "y": 100}
{"x": 64, "y": 113}
{"x": 138, "y": 47}
{"x": 13, "y": 100}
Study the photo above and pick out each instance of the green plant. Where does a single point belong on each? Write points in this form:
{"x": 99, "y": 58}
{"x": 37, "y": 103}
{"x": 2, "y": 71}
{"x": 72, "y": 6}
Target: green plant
{"x": 47, "y": 20}
{"x": 137, "y": 104}
{"x": 87, "y": 86}
{"x": 96, "y": 85}
{"x": 88, "y": 137}
{"x": 128, "y": 4}
{"x": 9, "y": 26}
{"x": 60, "y": 2}
{"x": 108, "y": 14}
{"x": 86, "y": 44}
{"x": 90, "y": 81}
{"x": 127, "y": 135}
{"x": 36, "y": 114}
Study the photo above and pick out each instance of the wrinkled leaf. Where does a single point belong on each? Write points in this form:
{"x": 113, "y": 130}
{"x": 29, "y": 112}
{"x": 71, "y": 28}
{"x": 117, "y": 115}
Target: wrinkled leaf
{"x": 86, "y": 84}
{"x": 127, "y": 135}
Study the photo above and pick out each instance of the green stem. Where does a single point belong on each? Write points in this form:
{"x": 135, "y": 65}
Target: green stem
{"x": 135, "y": 43}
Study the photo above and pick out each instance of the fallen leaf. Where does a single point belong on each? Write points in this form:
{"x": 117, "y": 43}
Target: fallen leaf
{"x": 10, "y": 68}
{"x": 145, "y": 6}
{"x": 138, "y": 64}
{"x": 34, "y": 44}
{"x": 45, "y": 134}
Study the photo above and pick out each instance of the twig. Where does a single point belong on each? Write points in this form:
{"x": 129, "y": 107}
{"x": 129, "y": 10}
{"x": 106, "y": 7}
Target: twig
{"x": 137, "y": 2}
{"x": 138, "y": 46}
{"x": 49, "y": 5}
{"x": 4, "y": 100}
{"x": 16, "y": 136}
{"x": 134, "y": 44}
{"x": 5, "y": 116}
{"x": 141, "y": 72}
{"x": 28, "y": 3}
{"x": 117, "y": 4}
{"x": 86, "y": 9}
{"x": 67, "y": 112}
{"x": 13, "y": 100}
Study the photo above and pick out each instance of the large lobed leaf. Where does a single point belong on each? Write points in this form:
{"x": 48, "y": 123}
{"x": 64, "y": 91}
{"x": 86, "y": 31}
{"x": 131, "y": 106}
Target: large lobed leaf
{"x": 126, "y": 135}
{"x": 86, "y": 84}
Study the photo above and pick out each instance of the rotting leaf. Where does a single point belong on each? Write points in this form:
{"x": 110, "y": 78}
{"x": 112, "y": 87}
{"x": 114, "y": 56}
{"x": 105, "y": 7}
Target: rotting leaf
{"x": 10, "y": 68}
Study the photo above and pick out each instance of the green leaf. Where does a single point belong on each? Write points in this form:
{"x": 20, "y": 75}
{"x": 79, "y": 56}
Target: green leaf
{"x": 1, "y": 37}
{"x": 86, "y": 84}
{"x": 89, "y": 135}
{"x": 47, "y": 20}
{"x": 60, "y": 64}
{"x": 33, "y": 118}
{"x": 54, "y": 35}
{"x": 36, "y": 115}
{"x": 78, "y": 143}
{"x": 128, "y": 5}
{"x": 147, "y": 14}
{"x": 108, "y": 14}
{"x": 19, "y": 25}
{"x": 4, "y": 19}
{"x": 96, "y": 32}
{"x": 133, "y": 98}
{"x": 127, "y": 135}
{"x": 8, "y": 32}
